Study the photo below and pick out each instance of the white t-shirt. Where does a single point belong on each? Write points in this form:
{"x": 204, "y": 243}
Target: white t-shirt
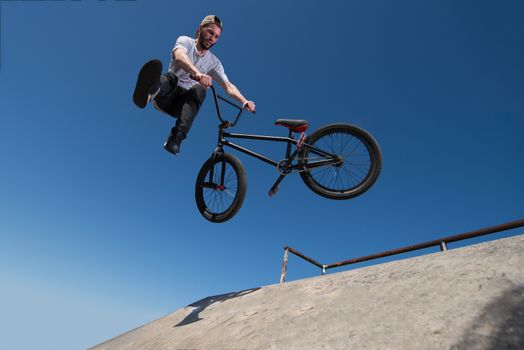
{"x": 208, "y": 64}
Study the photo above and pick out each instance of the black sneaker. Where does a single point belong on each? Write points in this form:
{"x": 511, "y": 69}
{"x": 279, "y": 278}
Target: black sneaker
{"x": 148, "y": 77}
{"x": 173, "y": 143}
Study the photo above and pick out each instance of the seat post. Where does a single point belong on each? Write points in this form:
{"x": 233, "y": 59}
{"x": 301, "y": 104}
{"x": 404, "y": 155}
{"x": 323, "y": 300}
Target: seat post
{"x": 288, "y": 149}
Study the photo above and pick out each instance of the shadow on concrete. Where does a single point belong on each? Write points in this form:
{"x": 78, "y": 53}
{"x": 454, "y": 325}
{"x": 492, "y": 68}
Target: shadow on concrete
{"x": 499, "y": 326}
{"x": 202, "y": 304}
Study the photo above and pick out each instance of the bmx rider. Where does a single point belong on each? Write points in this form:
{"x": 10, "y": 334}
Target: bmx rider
{"x": 181, "y": 91}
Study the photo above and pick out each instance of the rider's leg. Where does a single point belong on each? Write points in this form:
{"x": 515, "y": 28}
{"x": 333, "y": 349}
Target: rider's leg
{"x": 164, "y": 92}
{"x": 165, "y": 85}
{"x": 193, "y": 100}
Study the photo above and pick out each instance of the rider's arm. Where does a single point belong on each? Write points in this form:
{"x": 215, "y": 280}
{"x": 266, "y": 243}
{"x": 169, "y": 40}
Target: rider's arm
{"x": 182, "y": 60}
{"x": 233, "y": 91}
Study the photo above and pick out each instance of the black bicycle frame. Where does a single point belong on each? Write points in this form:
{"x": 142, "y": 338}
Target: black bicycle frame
{"x": 289, "y": 156}
{"x": 330, "y": 159}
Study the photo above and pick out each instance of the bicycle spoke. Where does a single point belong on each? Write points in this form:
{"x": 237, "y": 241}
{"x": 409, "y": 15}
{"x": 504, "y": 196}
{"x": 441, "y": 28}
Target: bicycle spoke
{"x": 351, "y": 177}
{"x": 219, "y": 199}
{"x": 340, "y": 161}
{"x": 343, "y": 176}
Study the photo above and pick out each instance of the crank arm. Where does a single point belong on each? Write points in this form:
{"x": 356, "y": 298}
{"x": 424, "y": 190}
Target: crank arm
{"x": 274, "y": 189}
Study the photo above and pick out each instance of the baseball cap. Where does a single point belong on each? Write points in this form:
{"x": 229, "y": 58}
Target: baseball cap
{"x": 212, "y": 19}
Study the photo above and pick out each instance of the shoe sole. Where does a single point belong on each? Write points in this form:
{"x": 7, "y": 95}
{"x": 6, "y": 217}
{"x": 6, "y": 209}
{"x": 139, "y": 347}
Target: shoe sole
{"x": 170, "y": 150}
{"x": 147, "y": 77}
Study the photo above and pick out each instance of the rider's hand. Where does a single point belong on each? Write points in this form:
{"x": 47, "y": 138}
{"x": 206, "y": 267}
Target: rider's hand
{"x": 250, "y": 106}
{"x": 204, "y": 79}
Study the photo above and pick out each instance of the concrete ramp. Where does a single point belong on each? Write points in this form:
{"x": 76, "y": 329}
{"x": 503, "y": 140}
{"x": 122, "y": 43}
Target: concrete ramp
{"x": 468, "y": 298}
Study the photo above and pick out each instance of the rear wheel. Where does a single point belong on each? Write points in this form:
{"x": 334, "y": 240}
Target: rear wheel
{"x": 357, "y": 168}
{"x": 220, "y": 187}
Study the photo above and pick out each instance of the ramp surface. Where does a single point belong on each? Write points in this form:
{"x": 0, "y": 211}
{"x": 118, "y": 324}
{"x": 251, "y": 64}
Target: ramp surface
{"x": 467, "y": 298}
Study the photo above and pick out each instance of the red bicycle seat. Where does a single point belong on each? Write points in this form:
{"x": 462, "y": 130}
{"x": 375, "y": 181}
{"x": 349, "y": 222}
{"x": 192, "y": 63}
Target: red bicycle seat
{"x": 295, "y": 125}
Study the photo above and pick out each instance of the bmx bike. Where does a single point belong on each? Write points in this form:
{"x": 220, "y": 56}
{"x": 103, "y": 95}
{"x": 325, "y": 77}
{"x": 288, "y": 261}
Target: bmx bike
{"x": 336, "y": 161}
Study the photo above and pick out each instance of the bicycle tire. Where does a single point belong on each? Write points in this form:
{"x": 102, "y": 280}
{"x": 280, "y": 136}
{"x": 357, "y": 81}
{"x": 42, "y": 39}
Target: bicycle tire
{"x": 220, "y": 199}
{"x": 361, "y": 166}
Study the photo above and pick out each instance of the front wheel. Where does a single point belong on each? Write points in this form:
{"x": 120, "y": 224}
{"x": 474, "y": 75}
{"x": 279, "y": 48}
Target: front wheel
{"x": 358, "y": 164}
{"x": 220, "y": 187}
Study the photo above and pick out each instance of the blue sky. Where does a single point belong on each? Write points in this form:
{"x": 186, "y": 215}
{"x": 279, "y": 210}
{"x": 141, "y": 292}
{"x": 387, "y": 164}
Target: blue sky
{"x": 99, "y": 231}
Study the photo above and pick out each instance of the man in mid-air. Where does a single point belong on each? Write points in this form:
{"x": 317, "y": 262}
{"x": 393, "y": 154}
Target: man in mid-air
{"x": 182, "y": 90}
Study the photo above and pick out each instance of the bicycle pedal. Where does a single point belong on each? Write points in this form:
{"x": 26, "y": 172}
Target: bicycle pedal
{"x": 273, "y": 192}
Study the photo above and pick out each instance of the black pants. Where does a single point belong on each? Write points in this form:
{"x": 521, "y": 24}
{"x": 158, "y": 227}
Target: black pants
{"x": 179, "y": 103}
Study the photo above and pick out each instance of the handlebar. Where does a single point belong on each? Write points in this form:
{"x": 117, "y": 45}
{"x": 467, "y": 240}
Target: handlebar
{"x": 219, "y": 115}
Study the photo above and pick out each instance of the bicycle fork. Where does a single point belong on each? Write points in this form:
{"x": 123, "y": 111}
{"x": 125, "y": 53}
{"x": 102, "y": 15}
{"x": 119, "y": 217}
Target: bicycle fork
{"x": 211, "y": 183}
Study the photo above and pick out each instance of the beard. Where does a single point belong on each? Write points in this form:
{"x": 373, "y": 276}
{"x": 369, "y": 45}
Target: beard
{"x": 204, "y": 43}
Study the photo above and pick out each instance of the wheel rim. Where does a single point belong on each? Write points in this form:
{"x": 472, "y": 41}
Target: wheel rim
{"x": 220, "y": 195}
{"x": 354, "y": 169}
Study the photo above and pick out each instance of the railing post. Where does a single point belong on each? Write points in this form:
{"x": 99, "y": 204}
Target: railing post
{"x": 284, "y": 266}
{"x": 443, "y": 246}
{"x": 323, "y": 270}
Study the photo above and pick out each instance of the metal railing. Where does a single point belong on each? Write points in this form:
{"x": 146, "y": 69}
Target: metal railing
{"x": 441, "y": 242}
